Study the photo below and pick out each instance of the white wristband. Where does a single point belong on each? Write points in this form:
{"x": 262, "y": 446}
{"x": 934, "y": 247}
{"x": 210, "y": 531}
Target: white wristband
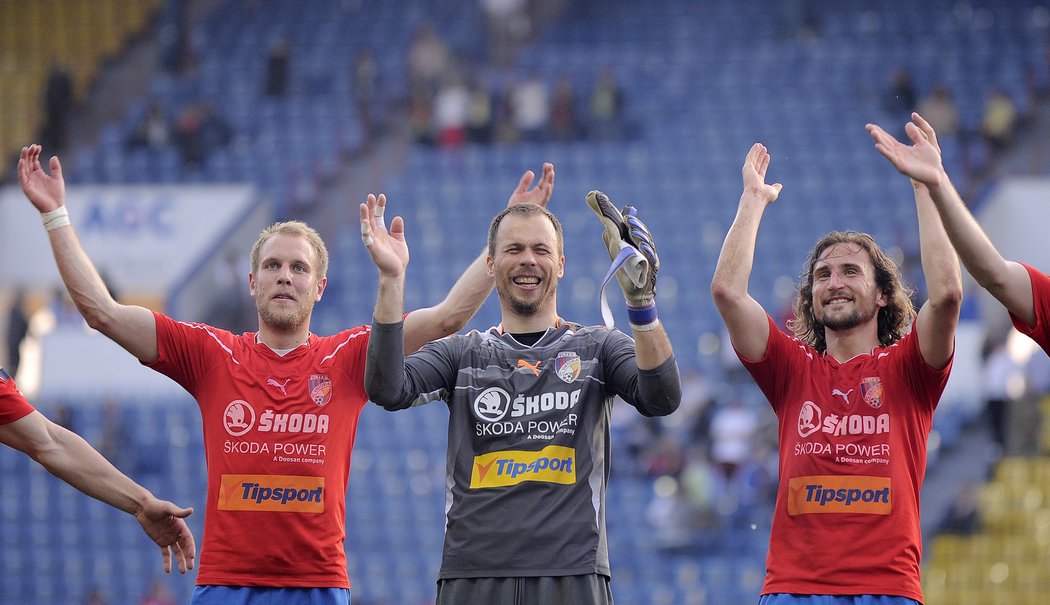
{"x": 646, "y": 327}
{"x": 59, "y": 217}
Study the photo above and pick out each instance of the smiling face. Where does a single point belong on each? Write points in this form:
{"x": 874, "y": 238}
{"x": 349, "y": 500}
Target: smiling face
{"x": 845, "y": 294}
{"x": 285, "y": 284}
{"x": 527, "y": 265}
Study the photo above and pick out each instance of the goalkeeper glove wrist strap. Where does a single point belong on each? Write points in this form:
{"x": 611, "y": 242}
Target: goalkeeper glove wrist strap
{"x": 643, "y": 319}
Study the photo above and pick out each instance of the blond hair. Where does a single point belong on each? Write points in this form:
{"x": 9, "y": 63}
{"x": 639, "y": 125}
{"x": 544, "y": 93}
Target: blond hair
{"x": 293, "y": 229}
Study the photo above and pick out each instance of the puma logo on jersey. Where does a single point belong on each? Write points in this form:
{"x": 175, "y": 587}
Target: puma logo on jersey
{"x": 280, "y": 385}
{"x": 845, "y": 396}
{"x": 535, "y": 367}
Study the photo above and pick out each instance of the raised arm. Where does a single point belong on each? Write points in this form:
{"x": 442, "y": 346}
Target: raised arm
{"x": 743, "y": 315}
{"x": 921, "y": 162}
{"x": 626, "y": 234}
{"x": 1006, "y": 280}
{"x": 67, "y": 456}
{"x": 132, "y": 327}
{"x": 386, "y": 381}
{"x": 473, "y": 287}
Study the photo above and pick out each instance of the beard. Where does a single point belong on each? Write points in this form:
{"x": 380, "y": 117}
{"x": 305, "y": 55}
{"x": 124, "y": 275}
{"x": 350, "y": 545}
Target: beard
{"x": 282, "y": 320}
{"x": 524, "y": 307}
{"x": 845, "y": 320}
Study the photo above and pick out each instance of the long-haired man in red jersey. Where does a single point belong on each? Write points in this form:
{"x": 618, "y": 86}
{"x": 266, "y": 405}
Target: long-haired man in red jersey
{"x": 279, "y": 406}
{"x": 854, "y": 390}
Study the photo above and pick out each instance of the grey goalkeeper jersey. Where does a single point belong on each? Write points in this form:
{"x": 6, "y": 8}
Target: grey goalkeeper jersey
{"x": 528, "y": 439}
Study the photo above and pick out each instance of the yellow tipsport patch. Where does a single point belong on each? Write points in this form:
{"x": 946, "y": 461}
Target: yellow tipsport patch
{"x": 552, "y": 464}
{"x": 277, "y": 493}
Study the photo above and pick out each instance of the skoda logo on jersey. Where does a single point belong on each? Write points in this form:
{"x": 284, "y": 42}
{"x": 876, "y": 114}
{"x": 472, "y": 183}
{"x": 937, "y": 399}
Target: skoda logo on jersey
{"x": 492, "y": 404}
{"x": 239, "y": 417}
{"x": 567, "y": 365}
{"x": 809, "y": 418}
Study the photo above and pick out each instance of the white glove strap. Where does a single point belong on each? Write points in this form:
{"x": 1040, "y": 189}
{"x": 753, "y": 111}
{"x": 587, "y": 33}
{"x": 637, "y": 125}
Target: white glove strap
{"x": 633, "y": 264}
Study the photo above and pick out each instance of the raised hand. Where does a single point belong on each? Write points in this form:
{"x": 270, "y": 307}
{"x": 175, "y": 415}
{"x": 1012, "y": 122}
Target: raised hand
{"x": 540, "y": 194}
{"x": 920, "y": 161}
{"x": 163, "y": 523}
{"x": 754, "y": 172}
{"x": 625, "y": 227}
{"x": 46, "y": 192}
{"x": 388, "y": 248}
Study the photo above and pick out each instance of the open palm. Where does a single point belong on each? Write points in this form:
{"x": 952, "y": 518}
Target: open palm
{"x": 754, "y": 172}
{"x": 921, "y": 161}
{"x": 388, "y": 248}
{"x": 46, "y": 192}
{"x": 540, "y": 194}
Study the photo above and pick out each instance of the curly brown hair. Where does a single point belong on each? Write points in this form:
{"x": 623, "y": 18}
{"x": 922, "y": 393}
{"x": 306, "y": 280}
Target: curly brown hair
{"x": 894, "y": 319}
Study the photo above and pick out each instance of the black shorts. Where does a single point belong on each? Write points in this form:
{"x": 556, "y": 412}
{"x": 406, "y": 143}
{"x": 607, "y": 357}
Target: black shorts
{"x": 591, "y": 589}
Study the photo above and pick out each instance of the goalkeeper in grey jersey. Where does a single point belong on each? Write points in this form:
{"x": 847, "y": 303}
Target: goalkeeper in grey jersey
{"x": 530, "y": 402}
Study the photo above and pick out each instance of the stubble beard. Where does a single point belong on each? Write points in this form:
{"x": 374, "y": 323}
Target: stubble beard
{"x": 524, "y": 308}
{"x": 282, "y": 321}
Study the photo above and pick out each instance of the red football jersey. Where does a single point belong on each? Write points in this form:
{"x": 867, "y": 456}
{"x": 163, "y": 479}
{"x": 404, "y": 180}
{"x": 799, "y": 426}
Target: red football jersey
{"x": 852, "y": 460}
{"x": 12, "y": 405}
{"x": 278, "y": 434}
{"x": 1040, "y": 332}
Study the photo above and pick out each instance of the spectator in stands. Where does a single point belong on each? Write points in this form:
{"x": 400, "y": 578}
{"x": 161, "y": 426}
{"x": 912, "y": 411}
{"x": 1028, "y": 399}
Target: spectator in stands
{"x": 854, "y": 393}
{"x": 940, "y": 111}
{"x": 507, "y": 25}
{"x": 606, "y": 108}
{"x": 215, "y": 132}
{"x": 420, "y": 114}
{"x": 58, "y": 105}
{"x": 278, "y": 66}
{"x": 532, "y": 108}
{"x": 67, "y": 456}
{"x": 479, "y": 113}
{"x": 451, "y": 110}
{"x": 999, "y": 121}
{"x": 564, "y": 122}
{"x": 200, "y": 130}
{"x": 188, "y": 136}
{"x": 1000, "y": 375}
{"x": 259, "y": 393}
{"x": 534, "y": 392}
{"x": 364, "y": 85}
{"x": 117, "y": 441}
{"x": 429, "y": 60}
{"x": 17, "y": 329}
{"x": 154, "y": 131}
{"x": 733, "y": 428}
{"x": 899, "y": 99}
{"x": 505, "y": 120}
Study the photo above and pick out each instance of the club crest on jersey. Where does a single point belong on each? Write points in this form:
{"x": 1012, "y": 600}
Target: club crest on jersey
{"x": 871, "y": 390}
{"x": 320, "y": 386}
{"x": 567, "y": 365}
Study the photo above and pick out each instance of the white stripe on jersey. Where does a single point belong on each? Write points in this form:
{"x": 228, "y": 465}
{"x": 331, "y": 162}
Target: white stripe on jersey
{"x": 346, "y": 342}
{"x": 214, "y": 337}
